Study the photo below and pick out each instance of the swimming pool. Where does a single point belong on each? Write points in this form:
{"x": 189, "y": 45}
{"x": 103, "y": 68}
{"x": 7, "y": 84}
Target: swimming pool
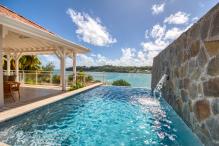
{"x": 103, "y": 116}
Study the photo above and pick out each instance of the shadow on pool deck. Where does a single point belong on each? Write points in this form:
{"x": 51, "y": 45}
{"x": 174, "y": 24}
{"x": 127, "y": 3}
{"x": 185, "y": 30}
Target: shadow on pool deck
{"x": 31, "y": 93}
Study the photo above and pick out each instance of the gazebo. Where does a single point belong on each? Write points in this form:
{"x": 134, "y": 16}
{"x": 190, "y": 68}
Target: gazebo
{"x": 20, "y": 36}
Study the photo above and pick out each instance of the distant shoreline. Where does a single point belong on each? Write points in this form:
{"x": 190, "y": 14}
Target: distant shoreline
{"x": 119, "y": 72}
{"x": 116, "y": 69}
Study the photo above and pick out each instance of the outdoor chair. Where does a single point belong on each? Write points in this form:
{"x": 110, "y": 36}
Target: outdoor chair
{"x": 8, "y": 90}
{"x": 11, "y": 86}
{"x": 12, "y": 78}
{"x": 15, "y": 87}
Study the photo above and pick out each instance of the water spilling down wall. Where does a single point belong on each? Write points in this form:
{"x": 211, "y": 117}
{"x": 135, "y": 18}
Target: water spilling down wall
{"x": 192, "y": 63}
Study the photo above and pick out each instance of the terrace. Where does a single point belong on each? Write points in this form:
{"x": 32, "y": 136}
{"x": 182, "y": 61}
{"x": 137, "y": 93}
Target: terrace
{"x": 185, "y": 75}
{"x": 32, "y": 93}
{"x": 20, "y": 36}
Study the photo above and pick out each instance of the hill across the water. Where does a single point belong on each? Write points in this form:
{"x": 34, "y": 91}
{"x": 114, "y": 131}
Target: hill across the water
{"x": 109, "y": 68}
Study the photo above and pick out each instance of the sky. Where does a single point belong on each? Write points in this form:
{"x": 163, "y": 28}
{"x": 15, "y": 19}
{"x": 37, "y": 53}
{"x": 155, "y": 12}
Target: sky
{"x": 118, "y": 32}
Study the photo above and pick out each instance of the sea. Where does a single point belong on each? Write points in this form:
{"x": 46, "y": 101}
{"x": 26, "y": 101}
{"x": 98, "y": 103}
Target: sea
{"x": 135, "y": 79}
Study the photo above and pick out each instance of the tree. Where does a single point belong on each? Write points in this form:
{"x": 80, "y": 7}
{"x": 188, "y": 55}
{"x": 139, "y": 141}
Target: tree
{"x": 29, "y": 63}
{"x": 5, "y": 63}
{"x": 48, "y": 67}
{"x": 26, "y": 62}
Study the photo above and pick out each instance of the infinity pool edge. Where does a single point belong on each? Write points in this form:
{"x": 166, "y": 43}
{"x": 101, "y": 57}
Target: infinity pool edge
{"x": 18, "y": 111}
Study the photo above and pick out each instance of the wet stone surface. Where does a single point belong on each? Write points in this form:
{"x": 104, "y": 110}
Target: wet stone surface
{"x": 184, "y": 95}
{"x": 202, "y": 109}
{"x": 212, "y": 47}
{"x": 193, "y": 91}
{"x": 195, "y": 48}
{"x": 215, "y": 106}
{"x": 213, "y": 66}
{"x": 202, "y": 58}
{"x": 213, "y": 126}
{"x": 215, "y": 25}
{"x": 211, "y": 87}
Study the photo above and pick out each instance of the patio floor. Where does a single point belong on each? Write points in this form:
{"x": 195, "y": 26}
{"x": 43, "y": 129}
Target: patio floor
{"x": 31, "y": 93}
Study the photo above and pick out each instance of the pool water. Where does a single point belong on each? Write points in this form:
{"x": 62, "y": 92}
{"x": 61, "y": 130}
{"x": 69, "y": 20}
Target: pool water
{"x": 103, "y": 116}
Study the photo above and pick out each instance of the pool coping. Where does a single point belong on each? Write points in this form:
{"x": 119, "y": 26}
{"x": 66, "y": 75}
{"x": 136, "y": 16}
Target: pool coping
{"x": 18, "y": 111}
{"x": 3, "y": 144}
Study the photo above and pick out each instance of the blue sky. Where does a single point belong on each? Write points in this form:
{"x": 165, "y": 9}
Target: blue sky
{"x": 119, "y": 32}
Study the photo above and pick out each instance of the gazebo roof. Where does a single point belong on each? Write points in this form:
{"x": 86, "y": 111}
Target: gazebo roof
{"x": 25, "y": 36}
{"x": 13, "y": 15}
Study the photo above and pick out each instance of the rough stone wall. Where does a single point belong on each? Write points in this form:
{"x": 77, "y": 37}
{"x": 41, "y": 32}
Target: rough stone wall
{"x": 192, "y": 63}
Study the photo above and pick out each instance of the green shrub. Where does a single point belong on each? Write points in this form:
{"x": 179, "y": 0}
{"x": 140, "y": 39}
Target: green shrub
{"x": 30, "y": 79}
{"x": 81, "y": 77}
{"x": 81, "y": 73}
{"x": 97, "y": 81}
{"x": 121, "y": 83}
{"x": 76, "y": 86}
{"x": 70, "y": 78}
{"x": 56, "y": 79}
{"x": 89, "y": 78}
{"x": 43, "y": 78}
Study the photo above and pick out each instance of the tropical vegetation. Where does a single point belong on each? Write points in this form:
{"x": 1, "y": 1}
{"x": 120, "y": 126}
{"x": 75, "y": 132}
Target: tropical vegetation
{"x": 26, "y": 62}
{"x": 110, "y": 68}
{"x": 48, "y": 67}
{"x": 121, "y": 83}
{"x": 77, "y": 85}
{"x": 30, "y": 62}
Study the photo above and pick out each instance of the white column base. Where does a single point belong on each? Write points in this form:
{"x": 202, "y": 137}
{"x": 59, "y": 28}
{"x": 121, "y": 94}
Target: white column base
{"x": 74, "y": 68}
{"x": 1, "y": 68}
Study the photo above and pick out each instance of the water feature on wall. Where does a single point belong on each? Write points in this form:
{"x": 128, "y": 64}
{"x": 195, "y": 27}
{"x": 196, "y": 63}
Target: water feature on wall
{"x": 159, "y": 86}
{"x": 192, "y": 63}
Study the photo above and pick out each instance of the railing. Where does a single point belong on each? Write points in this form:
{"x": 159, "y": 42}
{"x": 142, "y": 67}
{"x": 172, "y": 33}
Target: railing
{"x": 85, "y": 77}
{"x": 53, "y": 77}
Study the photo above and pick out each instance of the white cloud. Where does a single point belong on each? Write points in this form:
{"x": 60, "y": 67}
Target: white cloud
{"x": 160, "y": 37}
{"x": 85, "y": 60}
{"x": 157, "y": 41}
{"x": 91, "y": 30}
{"x": 173, "y": 33}
{"x": 49, "y": 58}
{"x": 153, "y": 45}
{"x": 54, "y": 59}
{"x": 158, "y": 31}
{"x": 129, "y": 57}
{"x": 158, "y": 8}
{"x": 194, "y": 19}
{"x": 177, "y": 18}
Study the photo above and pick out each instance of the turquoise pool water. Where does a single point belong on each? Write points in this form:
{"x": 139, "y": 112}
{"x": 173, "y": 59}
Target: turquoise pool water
{"x": 103, "y": 116}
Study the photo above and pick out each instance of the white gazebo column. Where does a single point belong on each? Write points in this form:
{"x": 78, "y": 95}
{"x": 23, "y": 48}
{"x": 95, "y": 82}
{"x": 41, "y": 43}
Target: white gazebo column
{"x": 1, "y": 67}
{"x": 17, "y": 58}
{"x": 8, "y": 64}
{"x": 63, "y": 80}
{"x": 17, "y": 69}
{"x": 74, "y": 67}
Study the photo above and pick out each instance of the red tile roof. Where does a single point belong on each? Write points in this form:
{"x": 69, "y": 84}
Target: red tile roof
{"x": 9, "y": 13}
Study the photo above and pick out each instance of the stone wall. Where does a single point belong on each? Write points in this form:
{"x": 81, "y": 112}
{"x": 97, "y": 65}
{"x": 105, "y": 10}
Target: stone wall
{"x": 192, "y": 63}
